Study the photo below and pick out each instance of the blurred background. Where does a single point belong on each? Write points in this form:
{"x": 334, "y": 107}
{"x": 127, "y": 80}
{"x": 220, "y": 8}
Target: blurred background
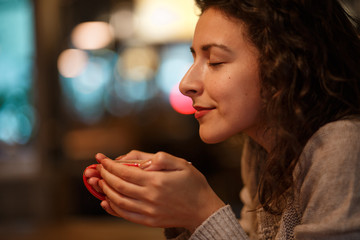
{"x": 79, "y": 77}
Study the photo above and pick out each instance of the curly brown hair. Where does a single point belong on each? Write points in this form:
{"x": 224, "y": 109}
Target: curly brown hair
{"x": 310, "y": 75}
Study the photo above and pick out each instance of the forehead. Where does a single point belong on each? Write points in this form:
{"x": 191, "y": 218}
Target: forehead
{"x": 215, "y": 26}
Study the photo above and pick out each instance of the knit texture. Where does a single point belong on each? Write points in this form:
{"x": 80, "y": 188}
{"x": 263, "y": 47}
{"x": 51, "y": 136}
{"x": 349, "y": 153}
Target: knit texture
{"x": 325, "y": 203}
{"x": 222, "y": 225}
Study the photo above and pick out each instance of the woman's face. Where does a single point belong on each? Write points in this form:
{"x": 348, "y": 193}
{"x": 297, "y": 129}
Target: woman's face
{"x": 223, "y": 81}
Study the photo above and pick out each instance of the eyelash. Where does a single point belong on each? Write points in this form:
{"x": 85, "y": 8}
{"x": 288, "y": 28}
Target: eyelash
{"x": 215, "y": 64}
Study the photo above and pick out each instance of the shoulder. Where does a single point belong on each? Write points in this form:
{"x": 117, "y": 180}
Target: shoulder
{"x": 326, "y": 180}
{"x": 332, "y": 155}
{"x": 330, "y": 159}
{"x": 338, "y": 139}
{"x": 334, "y": 133}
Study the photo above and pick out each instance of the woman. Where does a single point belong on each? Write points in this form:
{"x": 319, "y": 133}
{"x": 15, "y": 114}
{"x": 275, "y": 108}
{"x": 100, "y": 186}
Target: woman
{"x": 285, "y": 73}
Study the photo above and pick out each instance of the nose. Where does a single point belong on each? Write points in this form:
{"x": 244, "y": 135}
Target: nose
{"x": 191, "y": 84}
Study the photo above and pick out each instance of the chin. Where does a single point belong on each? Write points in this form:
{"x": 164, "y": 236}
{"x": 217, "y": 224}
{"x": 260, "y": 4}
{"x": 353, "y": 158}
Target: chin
{"x": 210, "y": 139}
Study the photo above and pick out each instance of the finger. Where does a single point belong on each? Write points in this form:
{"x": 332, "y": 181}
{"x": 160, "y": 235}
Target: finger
{"x": 91, "y": 172}
{"x": 94, "y": 182}
{"x": 106, "y": 206}
{"x": 134, "y": 158}
{"x": 121, "y": 186}
{"x": 132, "y": 216}
{"x": 129, "y": 174}
{"x": 162, "y": 161}
{"x": 99, "y": 157}
{"x": 122, "y": 201}
{"x": 135, "y": 155}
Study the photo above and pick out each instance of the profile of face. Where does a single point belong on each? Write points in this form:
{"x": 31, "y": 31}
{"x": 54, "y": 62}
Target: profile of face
{"x": 223, "y": 81}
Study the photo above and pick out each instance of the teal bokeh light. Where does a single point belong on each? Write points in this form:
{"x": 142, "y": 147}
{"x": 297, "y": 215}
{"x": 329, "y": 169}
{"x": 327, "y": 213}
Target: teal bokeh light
{"x": 17, "y": 118}
{"x": 175, "y": 61}
{"x": 85, "y": 93}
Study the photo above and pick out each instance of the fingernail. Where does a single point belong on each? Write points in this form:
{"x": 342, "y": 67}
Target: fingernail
{"x": 145, "y": 165}
{"x": 99, "y": 157}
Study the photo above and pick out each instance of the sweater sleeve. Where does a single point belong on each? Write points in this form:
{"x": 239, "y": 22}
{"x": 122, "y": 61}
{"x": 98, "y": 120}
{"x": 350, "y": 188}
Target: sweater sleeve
{"x": 329, "y": 186}
{"x": 223, "y": 224}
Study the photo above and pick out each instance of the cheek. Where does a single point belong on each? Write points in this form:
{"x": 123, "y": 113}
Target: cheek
{"x": 243, "y": 101}
{"x": 219, "y": 88}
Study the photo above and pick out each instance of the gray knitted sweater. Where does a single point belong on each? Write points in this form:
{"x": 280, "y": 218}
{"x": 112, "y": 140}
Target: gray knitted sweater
{"x": 325, "y": 204}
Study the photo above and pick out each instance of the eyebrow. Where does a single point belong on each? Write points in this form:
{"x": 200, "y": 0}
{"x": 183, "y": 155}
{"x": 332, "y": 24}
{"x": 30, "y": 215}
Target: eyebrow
{"x": 207, "y": 47}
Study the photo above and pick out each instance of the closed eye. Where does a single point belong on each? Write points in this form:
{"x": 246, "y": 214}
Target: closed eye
{"x": 213, "y": 64}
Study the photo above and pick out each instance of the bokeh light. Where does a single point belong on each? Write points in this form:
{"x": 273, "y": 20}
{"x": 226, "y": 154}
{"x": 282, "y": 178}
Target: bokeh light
{"x": 160, "y": 21}
{"x": 180, "y": 103}
{"x": 122, "y": 21}
{"x": 152, "y": 58}
{"x": 92, "y": 35}
{"x": 17, "y": 50}
{"x": 85, "y": 92}
{"x": 138, "y": 63}
{"x": 133, "y": 91}
{"x": 16, "y": 123}
{"x": 72, "y": 62}
{"x": 176, "y": 59}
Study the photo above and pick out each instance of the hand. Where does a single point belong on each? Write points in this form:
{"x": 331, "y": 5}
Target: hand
{"x": 92, "y": 177}
{"x": 169, "y": 192}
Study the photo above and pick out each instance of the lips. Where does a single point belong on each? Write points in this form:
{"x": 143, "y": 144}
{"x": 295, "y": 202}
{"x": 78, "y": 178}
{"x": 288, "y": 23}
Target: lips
{"x": 202, "y": 111}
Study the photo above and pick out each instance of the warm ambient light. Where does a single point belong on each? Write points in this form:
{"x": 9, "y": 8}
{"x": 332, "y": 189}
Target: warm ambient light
{"x": 164, "y": 20}
{"x": 122, "y": 22}
{"x": 179, "y": 102}
{"x": 72, "y": 62}
{"x": 139, "y": 63}
{"x": 92, "y": 35}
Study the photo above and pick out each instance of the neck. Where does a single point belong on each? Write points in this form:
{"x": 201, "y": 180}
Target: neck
{"x": 263, "y": 138}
